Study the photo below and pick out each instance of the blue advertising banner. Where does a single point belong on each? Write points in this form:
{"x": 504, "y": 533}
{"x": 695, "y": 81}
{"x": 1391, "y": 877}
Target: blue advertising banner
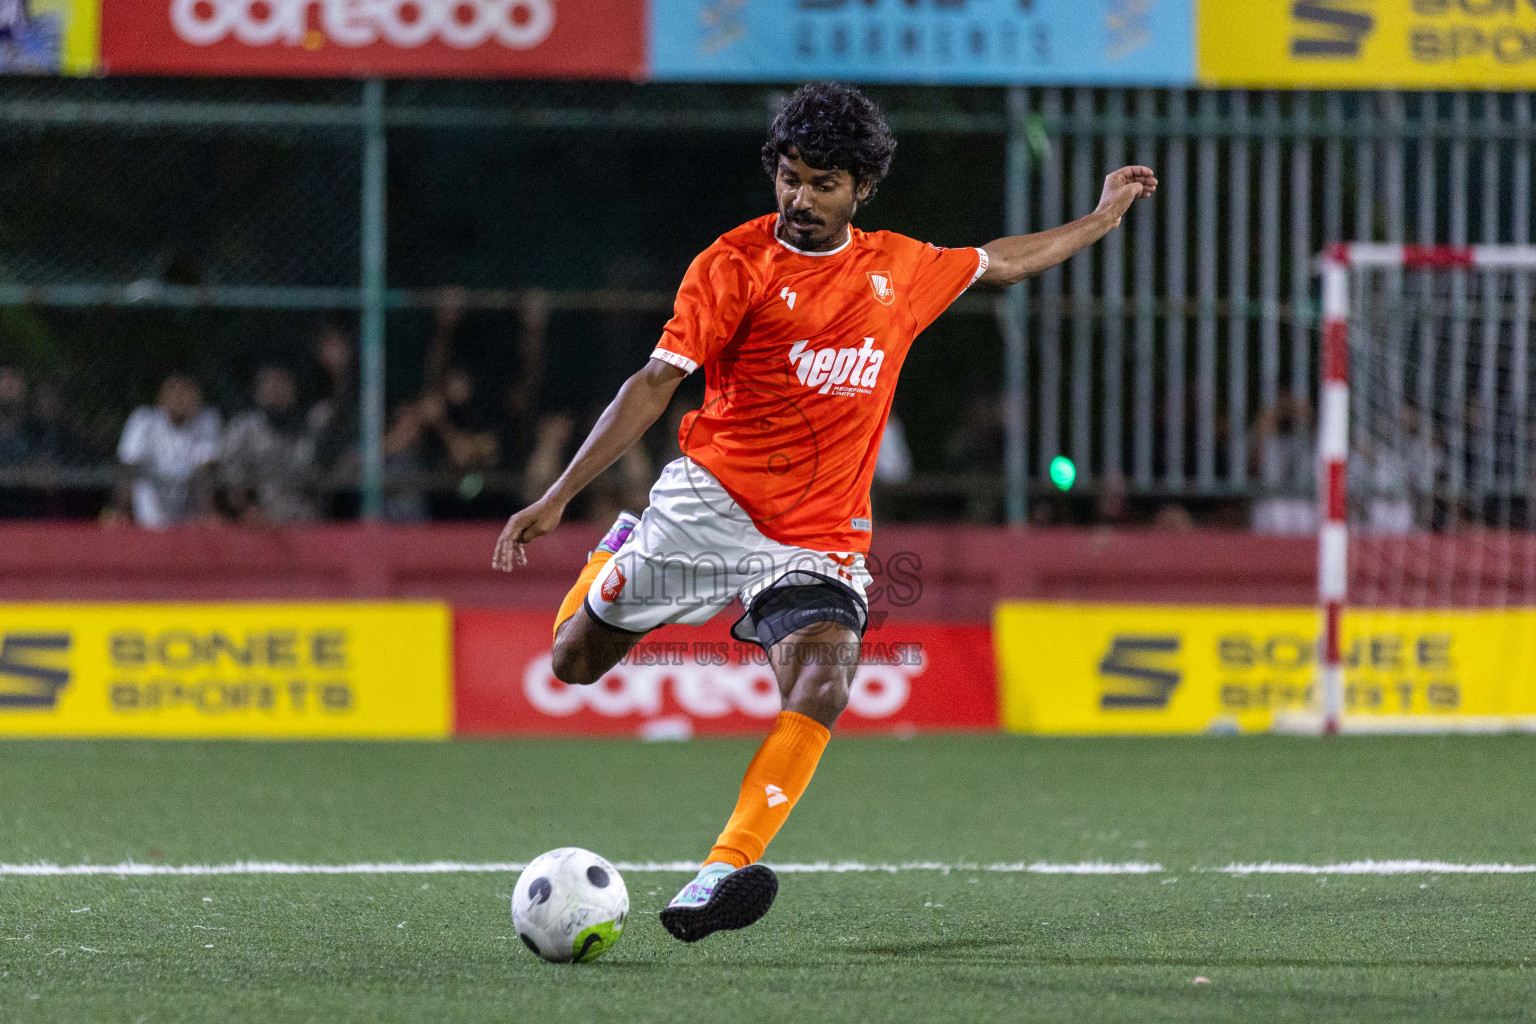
{"x": 1145, "y": 42}
{"x": 49, "y": 37}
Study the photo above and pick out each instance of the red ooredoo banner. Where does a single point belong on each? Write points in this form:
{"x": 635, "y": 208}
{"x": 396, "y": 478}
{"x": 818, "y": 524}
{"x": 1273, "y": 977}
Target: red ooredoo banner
{"x": 684, "y": 680}
{"x": 459, "y": 38}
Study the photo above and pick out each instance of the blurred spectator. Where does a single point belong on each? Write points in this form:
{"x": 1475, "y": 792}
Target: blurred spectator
{"x": 1285, "y": 454}
{"x": 404, "y": 461}
{"x": 893, "y": 463}
{"x": 1471, "y": 498}
{"x": 1173, "y": 518}
{"x": 623, "y": 486}
{"x": 620, "y": 342}
{"x": 58, "y": 443}
{"x": 19, "y": 442}
{"x": 461, "y": 438}
{"x": 976, "y": 446}
{"x": 1393, "y": 468}
{"x": 448, "y": 311}
{"x": 333, "y": 420}
{"x": 165, "y": 454}
{"x": 460, "y": 435}
{"x": 267, "y": 459}
{"x": 1112, "y": 508}
{"x": 520, "y": 401}
{"x": 551, "y": 439}
{"x": 443, "y": 430}
{"x": 977, "y": 443}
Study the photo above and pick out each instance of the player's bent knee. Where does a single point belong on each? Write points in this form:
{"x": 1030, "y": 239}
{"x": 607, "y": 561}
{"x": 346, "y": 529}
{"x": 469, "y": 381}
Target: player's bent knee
{"x": 572, "y": 659}
{"x": 571, "y": 665}
{"x": 585, "y": 650}
{"x": 820, "y": 694}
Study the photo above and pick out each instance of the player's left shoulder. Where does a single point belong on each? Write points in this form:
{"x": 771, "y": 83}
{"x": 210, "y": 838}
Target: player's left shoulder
{"x": 908, "y": 255}
{"x": 890, "y": 244}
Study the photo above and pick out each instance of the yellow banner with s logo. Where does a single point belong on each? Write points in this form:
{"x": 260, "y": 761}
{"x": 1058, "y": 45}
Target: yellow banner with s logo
{"x": 1429, "y": 44}
{"x": 1106, "y": 669}
{"x": 226, "y": 670}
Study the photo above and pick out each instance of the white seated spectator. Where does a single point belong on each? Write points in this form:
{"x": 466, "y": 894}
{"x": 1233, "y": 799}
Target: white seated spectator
{"x": 1395, "y": 471}
{"x": 267, "y": 459}
{"x": 165, "y": 453}
{"x": 1389, "y": 476}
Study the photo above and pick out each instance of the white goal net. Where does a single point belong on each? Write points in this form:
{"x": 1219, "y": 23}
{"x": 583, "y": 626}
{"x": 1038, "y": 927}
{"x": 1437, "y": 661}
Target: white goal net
{"x": 1427, "y": 445}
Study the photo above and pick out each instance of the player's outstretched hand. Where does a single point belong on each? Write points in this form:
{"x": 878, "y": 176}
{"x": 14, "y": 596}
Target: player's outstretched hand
{"x": 1124, "y": 187}
{"x": 534, "y": 521}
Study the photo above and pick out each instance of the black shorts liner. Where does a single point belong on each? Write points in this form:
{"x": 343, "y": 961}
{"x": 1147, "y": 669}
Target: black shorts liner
{"x": 795, "y": 600}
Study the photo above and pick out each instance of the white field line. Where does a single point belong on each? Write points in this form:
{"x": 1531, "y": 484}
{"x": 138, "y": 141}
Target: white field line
{"x": 447, "y": 867}
{"x": 1087, "y": 867}
{"x": 1375, "y": 867}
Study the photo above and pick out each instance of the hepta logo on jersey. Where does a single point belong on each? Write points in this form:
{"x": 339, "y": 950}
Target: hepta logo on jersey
{"x": 845, "y": 371}
{"x": 880, "y": 281}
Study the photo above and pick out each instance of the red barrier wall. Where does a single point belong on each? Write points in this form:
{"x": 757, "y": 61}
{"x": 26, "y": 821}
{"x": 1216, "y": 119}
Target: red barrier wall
{"x": 934, "y": 573}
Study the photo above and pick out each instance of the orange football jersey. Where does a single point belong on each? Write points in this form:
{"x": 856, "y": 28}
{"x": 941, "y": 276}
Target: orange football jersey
{"x": 801, "y": 351}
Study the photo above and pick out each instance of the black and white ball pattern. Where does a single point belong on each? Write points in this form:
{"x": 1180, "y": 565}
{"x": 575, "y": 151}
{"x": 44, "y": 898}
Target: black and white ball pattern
{"x": 569, "y": 905}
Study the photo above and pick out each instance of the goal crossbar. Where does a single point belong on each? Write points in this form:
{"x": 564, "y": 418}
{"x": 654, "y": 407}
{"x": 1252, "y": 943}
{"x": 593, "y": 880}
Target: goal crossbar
{"x": 1344, "y": 255}
{"x": 1335, "y": 263}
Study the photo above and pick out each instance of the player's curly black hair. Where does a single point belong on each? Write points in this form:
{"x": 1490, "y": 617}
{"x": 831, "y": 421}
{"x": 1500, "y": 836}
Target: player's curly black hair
{"x": 832, "y": 126}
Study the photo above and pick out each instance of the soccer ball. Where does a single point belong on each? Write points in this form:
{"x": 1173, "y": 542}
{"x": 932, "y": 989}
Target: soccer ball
{"x": 569, "y": 905}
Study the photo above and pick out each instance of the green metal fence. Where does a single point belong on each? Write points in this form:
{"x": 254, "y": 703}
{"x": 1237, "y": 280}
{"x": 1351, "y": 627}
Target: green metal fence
{"x": 146, "y": 222}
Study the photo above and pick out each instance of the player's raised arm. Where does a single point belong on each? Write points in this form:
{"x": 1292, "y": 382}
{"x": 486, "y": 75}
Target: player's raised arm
{"x": 640, "y": 402}
{"x": 1012, "y": 259}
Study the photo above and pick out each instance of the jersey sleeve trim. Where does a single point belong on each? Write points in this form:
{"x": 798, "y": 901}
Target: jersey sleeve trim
{"x": 981, "y": 268}
{"x": 682, "y": 362}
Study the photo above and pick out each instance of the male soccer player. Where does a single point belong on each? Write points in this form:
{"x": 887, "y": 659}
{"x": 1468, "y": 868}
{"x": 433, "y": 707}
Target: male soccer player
{"x": 801, "y": 322}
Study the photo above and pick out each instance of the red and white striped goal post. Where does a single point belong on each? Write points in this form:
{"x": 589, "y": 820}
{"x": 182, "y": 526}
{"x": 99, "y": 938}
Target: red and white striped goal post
{"x": 1333, "y": 423}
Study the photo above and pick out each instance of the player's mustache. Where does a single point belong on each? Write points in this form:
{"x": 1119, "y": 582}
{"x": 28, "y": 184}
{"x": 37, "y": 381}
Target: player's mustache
{"x": 803, "y": 221}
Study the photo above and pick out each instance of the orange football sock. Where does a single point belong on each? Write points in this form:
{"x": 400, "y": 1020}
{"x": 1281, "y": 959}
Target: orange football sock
{"x": 583, "y": 584}
{"x": 778, "y": 775}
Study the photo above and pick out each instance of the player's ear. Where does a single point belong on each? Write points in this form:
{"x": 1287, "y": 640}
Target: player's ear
{"x": 862, "y": 189}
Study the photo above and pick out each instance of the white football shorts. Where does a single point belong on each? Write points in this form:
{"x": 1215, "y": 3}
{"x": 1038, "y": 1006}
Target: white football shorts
{"x": 695, "y": 550}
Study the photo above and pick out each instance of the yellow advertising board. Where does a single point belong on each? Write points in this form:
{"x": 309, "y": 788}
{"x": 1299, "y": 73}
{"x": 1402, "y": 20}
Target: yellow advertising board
{"x": 226, "y": 670}
{"x": 1429, "y": 44}
{"x": 1107, "y": 669}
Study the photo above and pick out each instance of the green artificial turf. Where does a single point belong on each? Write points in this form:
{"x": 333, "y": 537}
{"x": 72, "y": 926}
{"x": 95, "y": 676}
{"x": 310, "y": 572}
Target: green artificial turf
{"x": 966, "y": 945}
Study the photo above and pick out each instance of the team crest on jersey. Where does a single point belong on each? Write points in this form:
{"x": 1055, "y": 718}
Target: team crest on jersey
{"x": 880, "y": 281}
{"x": 613, "y": 584}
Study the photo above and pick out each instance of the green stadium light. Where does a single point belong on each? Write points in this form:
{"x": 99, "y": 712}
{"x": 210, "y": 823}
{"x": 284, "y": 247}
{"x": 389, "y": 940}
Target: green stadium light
{"x": 1063, "y": 472}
